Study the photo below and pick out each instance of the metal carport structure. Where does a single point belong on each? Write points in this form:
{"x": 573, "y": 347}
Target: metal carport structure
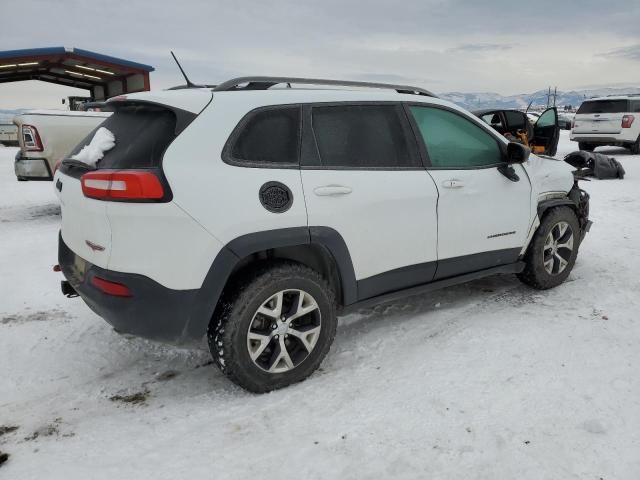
{"x": 103, "y": 75}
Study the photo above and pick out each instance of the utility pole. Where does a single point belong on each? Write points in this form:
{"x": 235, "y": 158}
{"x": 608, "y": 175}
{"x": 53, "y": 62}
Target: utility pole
{"x": 548, "y": 95}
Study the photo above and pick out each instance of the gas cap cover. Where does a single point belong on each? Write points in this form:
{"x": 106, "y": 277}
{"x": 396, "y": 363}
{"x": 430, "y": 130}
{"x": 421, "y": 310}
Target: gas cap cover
{"x": 276, "y": 197}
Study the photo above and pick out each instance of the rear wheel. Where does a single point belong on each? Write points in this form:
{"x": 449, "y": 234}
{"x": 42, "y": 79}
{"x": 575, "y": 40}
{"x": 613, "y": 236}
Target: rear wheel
{"x": 275, "y": 327}
{"x": 586, "y": 147}
{"x": 553, "y": 250}
{"x": 635, "y": 147}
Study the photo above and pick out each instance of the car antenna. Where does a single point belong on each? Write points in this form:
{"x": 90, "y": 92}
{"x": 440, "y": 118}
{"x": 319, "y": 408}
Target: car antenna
{"x": 190, "y": 84}
{"x": 528, "y": 106}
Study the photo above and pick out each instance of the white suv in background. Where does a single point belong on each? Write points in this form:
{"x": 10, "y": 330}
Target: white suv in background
{"x": 256, "y": 215}
{"x": 611, "y": 120}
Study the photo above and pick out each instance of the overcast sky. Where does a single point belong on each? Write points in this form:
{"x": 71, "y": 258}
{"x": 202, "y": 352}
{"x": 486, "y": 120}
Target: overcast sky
{"x": 498, "y": 46}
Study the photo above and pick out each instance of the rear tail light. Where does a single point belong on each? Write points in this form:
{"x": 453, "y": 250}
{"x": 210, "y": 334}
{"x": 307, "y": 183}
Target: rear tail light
{"x": 31, "y": 139}
{"x": 111, "y": 288}
{"x": 627, "y": 121}
{"x": 122, "y": 185}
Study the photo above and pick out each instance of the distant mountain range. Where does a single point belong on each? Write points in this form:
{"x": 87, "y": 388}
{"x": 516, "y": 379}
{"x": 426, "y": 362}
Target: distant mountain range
{"x": 475, "y": 101}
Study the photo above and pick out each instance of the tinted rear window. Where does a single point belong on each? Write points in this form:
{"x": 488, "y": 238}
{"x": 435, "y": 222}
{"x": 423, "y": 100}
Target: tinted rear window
{"x": 604, "y": 106}
{"x": 363, "y": 136}
{"x": 142, "y": 135}
{"x": 516, "y": 119}
{"x": 269, "y": 136}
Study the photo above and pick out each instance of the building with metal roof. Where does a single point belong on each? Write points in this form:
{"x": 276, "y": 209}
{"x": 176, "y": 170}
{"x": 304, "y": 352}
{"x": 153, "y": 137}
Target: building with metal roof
{"x": 103, "y": 75}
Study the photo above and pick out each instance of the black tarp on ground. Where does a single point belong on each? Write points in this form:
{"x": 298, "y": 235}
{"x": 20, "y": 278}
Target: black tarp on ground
{"x": 590, "y": 164}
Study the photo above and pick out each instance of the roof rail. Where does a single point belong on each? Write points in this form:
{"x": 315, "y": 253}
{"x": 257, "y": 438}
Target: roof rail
{"x": 264, "y": 83}
{"x": 623, "y": 95}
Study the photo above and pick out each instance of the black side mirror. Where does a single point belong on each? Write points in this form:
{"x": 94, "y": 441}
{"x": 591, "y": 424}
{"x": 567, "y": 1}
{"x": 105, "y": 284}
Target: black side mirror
{"x": 517, "y": 153}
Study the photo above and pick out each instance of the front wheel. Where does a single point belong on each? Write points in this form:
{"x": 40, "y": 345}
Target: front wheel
{"x": 553, "y": 250}
{"x": 274, "y": 328}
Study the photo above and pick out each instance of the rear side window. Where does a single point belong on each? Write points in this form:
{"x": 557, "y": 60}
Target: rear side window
{"x": 142, "y": 134}
{"x": 604, "y": 106}
{"x": 516, "y": 120}
{"x": 494, "y": 120}
{"x": 453, "y": 141}
{"x": 363, "y": 136}
{"x": 269, "y": 136}
{"x": 635, "y": 106}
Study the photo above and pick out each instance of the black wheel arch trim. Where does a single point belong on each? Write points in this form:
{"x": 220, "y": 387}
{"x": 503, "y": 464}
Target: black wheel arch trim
{"x": 235, "y": 251}
{"x": 545, "y": 205}
{"x": 578, "y": 200}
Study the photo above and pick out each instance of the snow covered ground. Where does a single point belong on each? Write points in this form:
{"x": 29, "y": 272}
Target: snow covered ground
{"x": 489, "y": 380}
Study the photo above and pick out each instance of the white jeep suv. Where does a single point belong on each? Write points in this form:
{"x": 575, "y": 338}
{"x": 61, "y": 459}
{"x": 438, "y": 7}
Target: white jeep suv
{"x": 611, "y": 120}
{"x": 256, "y": 215}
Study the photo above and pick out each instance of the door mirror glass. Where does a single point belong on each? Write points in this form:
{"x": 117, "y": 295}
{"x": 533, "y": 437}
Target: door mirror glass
{"x": 517, "y": 153}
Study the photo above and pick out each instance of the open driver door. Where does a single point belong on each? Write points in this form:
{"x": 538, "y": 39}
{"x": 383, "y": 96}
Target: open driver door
{"x": 546, "y": 133}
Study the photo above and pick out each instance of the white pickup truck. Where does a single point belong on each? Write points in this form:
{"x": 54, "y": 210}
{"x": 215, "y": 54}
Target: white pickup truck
{"x": 45, "y": 137}
{"x": 8, "y": 134}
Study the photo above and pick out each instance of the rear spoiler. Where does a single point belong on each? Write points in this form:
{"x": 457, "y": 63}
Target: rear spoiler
{"x": 183, "y": 117}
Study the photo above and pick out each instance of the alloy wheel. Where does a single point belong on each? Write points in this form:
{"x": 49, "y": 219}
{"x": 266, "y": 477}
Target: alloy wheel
{"x": 558, "y": 248}
{"x": 284, "y": 331}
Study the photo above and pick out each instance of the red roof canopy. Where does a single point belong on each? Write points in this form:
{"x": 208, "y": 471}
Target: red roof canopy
{"x": 104, "y": 76}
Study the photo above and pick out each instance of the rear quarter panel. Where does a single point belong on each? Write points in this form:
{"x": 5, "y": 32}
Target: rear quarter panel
{"x": 160, "y": 241}
{"x": 224, "y": 198}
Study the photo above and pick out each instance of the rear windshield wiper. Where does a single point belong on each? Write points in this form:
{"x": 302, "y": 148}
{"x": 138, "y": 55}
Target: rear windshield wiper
{"x": 69, "y": 162}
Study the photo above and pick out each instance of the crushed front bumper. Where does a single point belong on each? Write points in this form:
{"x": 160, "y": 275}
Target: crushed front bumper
{"x": 581, "y": 199}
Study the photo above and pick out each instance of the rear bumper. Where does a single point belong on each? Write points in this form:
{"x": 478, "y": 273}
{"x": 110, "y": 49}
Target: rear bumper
{"x": 604, "y": 139}
{"x": 32, "y": 168}
{"x": 152, "y": 311}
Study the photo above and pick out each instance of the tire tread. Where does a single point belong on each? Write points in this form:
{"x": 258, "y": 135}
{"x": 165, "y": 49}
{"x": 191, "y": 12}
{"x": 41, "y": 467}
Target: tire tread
{"x": 233, "y": 306}
{"x": 534, "y": 274}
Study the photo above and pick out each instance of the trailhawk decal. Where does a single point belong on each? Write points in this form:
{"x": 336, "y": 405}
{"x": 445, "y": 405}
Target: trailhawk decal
{"x": 496, "y": 235}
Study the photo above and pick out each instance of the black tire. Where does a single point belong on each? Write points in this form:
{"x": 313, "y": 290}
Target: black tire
{"x": 535, "y": 273}
{"x": 229, "y": 329}
{"x": 586, "y": 147}
{"x": 635, "y": 147}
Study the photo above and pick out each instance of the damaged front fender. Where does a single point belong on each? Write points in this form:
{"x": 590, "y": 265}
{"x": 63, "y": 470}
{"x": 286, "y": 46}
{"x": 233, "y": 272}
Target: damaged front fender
{"x": 578, "y": 200}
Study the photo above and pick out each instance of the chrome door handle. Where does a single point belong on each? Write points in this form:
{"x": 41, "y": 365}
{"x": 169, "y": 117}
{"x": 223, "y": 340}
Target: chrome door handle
{"x": 453, "y": 183}
{"x": 331, "y": 190}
